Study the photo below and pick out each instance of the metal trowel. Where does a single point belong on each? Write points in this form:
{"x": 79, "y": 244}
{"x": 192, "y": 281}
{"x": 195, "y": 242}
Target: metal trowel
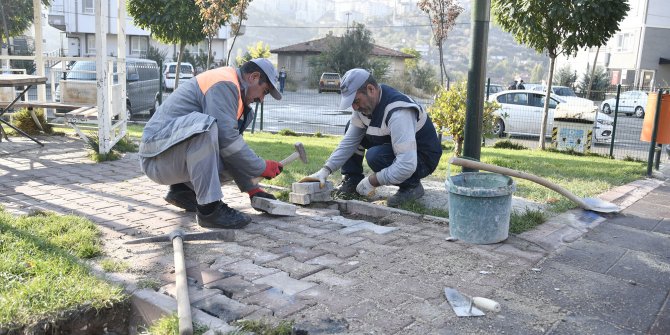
{"x": 461, "y": 305}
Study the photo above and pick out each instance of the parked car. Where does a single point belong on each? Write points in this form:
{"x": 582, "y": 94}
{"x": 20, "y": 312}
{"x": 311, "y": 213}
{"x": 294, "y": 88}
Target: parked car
{"x": 521, "y": 114}
{"x": 329, "y": 82}
{"x": 567, "y": 93}
{"x": 79, "y": 86}
{"x": 493, "y": 88}
{"x": 631, "y": 102}
{"x": 169, "y": 73}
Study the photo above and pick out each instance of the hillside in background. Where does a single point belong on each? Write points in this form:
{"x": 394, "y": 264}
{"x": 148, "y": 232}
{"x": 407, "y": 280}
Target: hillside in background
{"x": 506, "y": 58}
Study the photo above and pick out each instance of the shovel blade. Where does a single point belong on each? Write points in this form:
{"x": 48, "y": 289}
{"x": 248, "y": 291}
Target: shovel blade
{"x": 601, "y": 206}
{"x": 461, "y": 305}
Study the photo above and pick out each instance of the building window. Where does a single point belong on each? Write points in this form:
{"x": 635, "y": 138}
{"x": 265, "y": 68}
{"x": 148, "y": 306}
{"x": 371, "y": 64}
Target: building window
{"x": 139, "y": 45}
{"x": 90, "y": 44}
{"x": 624, "y": 42}
{"x": 87, "y": 7}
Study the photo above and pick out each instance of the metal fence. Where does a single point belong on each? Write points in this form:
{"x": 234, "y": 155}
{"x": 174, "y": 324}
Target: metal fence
{"x": 307, "y": 111}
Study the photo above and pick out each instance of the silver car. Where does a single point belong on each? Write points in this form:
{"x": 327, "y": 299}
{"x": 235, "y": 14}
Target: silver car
{"x": 631, "y": 103}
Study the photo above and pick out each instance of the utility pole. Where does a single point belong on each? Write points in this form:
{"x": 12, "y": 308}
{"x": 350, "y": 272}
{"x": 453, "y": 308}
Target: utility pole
{"x": 474, "y": 104}
{"x": 347, "y": 14}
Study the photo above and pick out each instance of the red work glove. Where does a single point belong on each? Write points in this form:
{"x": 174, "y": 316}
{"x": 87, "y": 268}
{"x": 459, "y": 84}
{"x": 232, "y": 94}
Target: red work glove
{"x": 272, "y": 169}
{"x": 259, "y": 192}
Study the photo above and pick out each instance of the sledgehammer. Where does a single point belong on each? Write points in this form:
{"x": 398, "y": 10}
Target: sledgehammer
{"x": 298, "y": 153}
{"x": 177, "y": 237}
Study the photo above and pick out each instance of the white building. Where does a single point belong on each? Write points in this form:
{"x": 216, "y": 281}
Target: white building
{"x": 639, "y": 54}
{"x": 77, "y": 19}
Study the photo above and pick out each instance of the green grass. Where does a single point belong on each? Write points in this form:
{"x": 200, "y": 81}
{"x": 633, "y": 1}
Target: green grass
{"x": 40, "y": 270}
{"x": 529, "y": 219}
{"x": 416, "y": 207}
{"x": 264, "y": 328}
{"x": 113, "y": 265}
{"x": 169, "y": 325}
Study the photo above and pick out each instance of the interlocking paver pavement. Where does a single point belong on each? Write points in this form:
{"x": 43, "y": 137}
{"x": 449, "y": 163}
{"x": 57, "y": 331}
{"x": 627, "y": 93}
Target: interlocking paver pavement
{"x": 333, "y": 273}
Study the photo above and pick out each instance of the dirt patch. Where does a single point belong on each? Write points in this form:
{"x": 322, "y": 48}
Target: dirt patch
{"x": 81, "y": 321}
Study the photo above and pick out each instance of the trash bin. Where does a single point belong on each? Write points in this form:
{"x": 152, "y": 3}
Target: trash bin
{"x": 573, "y": 128}
{"x": 663, "y": 135}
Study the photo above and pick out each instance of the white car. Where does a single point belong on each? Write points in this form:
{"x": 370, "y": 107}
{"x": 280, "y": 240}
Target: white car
{"x": 169, "y": 73}
{"x": 521, "y": 114}
{"x": 631, "y": 102}
{"x": 567, "y": 93}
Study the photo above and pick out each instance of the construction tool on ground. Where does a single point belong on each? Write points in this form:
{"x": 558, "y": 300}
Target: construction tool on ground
{"x": 178, "y": 237}
{"x": 592, "y": 204}
{"x": 298, "y": 153}
{"x": 461, "y": 305}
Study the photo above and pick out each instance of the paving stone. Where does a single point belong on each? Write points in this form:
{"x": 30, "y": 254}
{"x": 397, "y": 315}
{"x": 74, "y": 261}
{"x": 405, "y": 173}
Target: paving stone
{"x": 264, "y": 241}
{"x": 258, "y": 256}
{"x": 643, "y": 269}
{"x": 300, "y": 199}
{"x": 307, "y": 230}
{"x": 274, "y": 207}
{"x": 589, "y": 255}
{"x": 330, "y": 278}
{"x": 225, "y": 308}
{"x": 377, "y": 249}
{"x": 286, "y": 284}
{"x": 346, "y": 267}
{"x": 662, "y": 324}
{"x": 630, "y": 238}
{"x": 325, "y": 260}
{"x": 341, "y": 239}
{"x": 336, "y": 249}
{"x": 634, "y": 221}
{"x": 298, "y": 252}
{"x": 529, "y": 256}
{"x": 282, "y": 305}
{"x": 591, "y": 325}
{"x": 377, "y": 238}
{"x": 294, "y": 268}
{"x": 195, "y": 294}
{"x": 311, "y": 187}
{"x": 663, "y": 227}
{"x": 589, "y": 294}
{"x": 236, "y": 287}
{"x": 248, "y": 270}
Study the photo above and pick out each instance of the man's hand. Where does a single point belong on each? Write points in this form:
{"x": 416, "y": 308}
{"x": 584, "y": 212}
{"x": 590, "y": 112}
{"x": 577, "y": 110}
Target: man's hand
{"x": 320, "y": 176}
{"x": 365, "y": 187}
{"x": 272, "y": 169}
{"x": 259, "y": 192}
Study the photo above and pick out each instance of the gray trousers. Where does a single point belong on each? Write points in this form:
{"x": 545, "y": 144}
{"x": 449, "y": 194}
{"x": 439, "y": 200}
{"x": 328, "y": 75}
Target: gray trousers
{"x": 194, "y": 162}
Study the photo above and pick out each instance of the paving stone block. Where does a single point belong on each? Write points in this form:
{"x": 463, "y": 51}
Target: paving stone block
{"x": 320, "y": 197}
{"x": 325, "y": 260}
{"x": 248, "y": 270}
{"x": 225, "y": 308}
{"x": 195, "y": 294}
{"x": 281, "y": 304}
{"x": 377, "y": 249}
{"x": 311, "y": 187}
{"x": 286, "y": 284}
{"x": 272, "y": 206}
{"x": 336, "y": 249}
{"x": 299, "y": 253}
{"x": 294, "y": 268}
{"x": 300, "y": 199}
{"x": 377, "y": 238}
{"x": 342, "y": 239}
{"x": 236, "y": 287}
{"x": 330, "y": 278}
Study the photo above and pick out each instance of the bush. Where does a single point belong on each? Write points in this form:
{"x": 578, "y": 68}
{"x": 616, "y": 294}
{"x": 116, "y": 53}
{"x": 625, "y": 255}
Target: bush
{"x": 287, "y": 132}
{"x": 507, "y": 144}
{"x": 24, "y": 121}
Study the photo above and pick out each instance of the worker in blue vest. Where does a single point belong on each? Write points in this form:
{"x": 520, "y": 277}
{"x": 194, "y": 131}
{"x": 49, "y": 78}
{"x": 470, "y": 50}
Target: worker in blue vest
{"x": 400, "y": 139}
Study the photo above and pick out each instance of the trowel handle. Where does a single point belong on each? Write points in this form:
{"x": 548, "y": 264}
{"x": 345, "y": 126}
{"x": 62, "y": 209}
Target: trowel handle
{"x": 487, "y": 304}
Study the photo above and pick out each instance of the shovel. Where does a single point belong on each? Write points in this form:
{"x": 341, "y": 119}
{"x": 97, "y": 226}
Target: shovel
{"x": 592, "y": 204}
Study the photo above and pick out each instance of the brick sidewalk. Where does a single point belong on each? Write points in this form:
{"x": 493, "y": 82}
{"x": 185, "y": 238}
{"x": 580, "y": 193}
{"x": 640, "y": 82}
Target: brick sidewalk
{"x": 329, "y": 273}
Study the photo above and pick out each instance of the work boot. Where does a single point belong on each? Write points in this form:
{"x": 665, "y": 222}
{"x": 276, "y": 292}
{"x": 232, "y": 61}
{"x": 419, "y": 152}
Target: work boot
{"x": 405, "y": 194}
{"x": 222, "y": 217}
{"x": 182, "y": 196}
{"x": 348, "y": 184}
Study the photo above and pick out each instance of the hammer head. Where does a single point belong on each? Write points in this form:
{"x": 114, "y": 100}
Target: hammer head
{"x": 300, "y": 149}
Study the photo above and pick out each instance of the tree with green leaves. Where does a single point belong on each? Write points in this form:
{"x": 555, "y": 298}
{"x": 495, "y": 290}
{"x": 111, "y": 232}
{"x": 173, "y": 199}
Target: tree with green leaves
{"x": 537, "y": 74}
{"x": 215, "y": 13}
{"x": 448, "y": 114}
{"x": 442, "y": 15}
{"x": 559, "y": 27}
{"x": 170, "y": 22}
{"x": 598, "y": 84}
{"x": 258, "y": 50}
{"x": 565, "y": 76}
{"x": 15, "y": 17}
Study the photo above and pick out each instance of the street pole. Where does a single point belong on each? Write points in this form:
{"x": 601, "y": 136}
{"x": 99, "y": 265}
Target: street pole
{"x": 474, "y": 104}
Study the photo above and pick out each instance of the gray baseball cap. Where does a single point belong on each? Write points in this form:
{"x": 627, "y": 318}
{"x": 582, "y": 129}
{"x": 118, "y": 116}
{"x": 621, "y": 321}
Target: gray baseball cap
{"x": 271, "y": 73}
{"x": 351, "y": 82}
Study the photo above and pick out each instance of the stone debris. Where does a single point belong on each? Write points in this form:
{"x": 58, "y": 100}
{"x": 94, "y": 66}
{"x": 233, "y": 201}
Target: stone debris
{"x": 274, "y": 207}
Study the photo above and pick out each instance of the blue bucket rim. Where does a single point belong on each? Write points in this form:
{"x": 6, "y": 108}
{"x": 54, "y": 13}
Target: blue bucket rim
{"x": 496, "y": 191}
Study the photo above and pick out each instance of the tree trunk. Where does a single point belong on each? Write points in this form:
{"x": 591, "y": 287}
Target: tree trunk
{"x": 209, "y": 52}
{"x": 545, "y": 113}
{"x": 177, "y": 71}
{"x": 442, "y": 72}
{"x": 237, "y": 31}
{"x": 593, "y": 71}
{"x": 5, "y": 43}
